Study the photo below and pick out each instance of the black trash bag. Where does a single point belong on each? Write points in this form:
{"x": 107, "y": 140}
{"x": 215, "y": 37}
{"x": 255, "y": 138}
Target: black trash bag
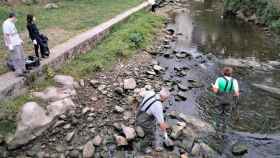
{"x": 32, "y": 61}
{"x": 44, "y": 45}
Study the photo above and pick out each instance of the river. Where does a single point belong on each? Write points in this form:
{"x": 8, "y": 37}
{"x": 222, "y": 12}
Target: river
{"x": 212, "y": 39}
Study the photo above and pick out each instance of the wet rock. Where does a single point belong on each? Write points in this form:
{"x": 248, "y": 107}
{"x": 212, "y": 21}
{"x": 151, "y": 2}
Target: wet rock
{"x": 117, "y": 126}
{"x": 32, "y": 122}
{"x": 60, "y": 107}
{"x": 119, "y": 109}
{"x": 140, "y": 132}
{"x": 177, "y": 129}
{"x": 70, "y": 136}
{"x": 195, "y": 84}
{"x": 74, "y": 154}
{"x": 182, "y": 96}
{"x": 182, "y": 87}
{"x": 130, "y": 84}
{"x": 128, "y": 132}
{"x": 94, "y": 83}
{"x": 65, "y": 81}
{"x": 97, "y": 140}
{"x": 54, "y": 93}
{"x": 157, "y": 68}
{"x": 239, "y": 149}
{"x": 118, "y": 91}
{"x": 121, "y": 141}
{"x": 88, "y": 151}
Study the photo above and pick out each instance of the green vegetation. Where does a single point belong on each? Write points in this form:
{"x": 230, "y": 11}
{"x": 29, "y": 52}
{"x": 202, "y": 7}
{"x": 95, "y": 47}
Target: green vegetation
{"x": 264, "y": 9}
{"x": 124, "y": 41}
{"x": 71, "y": 18}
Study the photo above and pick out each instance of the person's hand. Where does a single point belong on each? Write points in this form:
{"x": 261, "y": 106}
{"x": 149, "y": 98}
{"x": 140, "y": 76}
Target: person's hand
{"x": 237, "y": 94}
{"x": 163, "y": 126}
{"x": 214, "y": 89}
{"x": 10, "y": 47}
{"x": 34, "y": 42}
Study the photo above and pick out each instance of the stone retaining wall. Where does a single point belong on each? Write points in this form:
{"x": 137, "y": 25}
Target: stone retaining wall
{"x": 11, "y": 86}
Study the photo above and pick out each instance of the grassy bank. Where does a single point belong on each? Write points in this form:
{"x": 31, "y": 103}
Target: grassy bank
{"x": 71, "y": 18}
{"x": 124, "y": 41}
{"x": 266, "y": 10}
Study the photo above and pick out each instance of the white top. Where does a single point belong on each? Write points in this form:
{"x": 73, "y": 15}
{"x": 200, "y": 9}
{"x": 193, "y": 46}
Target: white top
{"x": 156, "y": 109}
{"x": 235, "y": 83}
{"x": 152, "y": 2}
{"x": 10, "y": 30}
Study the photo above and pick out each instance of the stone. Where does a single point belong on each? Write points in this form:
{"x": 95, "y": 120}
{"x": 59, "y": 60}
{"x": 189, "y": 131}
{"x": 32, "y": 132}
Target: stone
{"x": 70, "y": 136}
{"x": 117, "y": 126}
{"x": 86, "y": 110}
{"x": 182, "y": 87}
{"x": 51, "y": 6}
{"x": 97, "y": 140}
{"x": 94, "y": 98}
{"x": 2, "y": 139}
{"x": 196, "y": 150}
{"x": 82, "y": 83}
{"x": 67, "y": 126}
{"x": 182, "y": 95}
{"x": 74, "y": 154}
{"x": 239, "y": 149}
{"x": 177, "y": 129}
{"x": 59, "y": 148}
{"x": 157, "y": 68}
{"x": 119, "y": 109}
{"x": 88, "y": 151}
{"x": 130, "y": 84}
{"x": 32, "y": 122}
{"x": 121, "y": 141}
{"x": 118, "y": 91}
{"x": 181, "y": 55}
{"x": 129, "y": 132}
{"x": 127, "y": 115}
{"x": 140, "y": 132}
{"x": 60, "y": 107}
{"x": 94, "y": 83}
{"x": 54, "y": 93}
{"x": 151, "y": 72}
{"x": 101, "y": 87}
{"x": 184, "y": 156}
{"x": 65, "y": 81}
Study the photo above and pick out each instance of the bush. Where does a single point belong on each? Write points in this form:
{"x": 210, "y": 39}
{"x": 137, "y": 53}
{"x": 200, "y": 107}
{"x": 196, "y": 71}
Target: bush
{"x": 136, "y": 39}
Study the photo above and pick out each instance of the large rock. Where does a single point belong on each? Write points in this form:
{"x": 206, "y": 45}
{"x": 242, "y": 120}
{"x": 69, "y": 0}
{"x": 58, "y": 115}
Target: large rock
{"x": 239, "y": 149}
{"x": 32, "y": 121}
{"x": 88, "y": 151}
{"x": 129, "y": 132}
{"x": 54, "y": 93}
{"x": 129, "y": 84}
{"x": 121, "y": 141}
{"x": 59, "y": 107}
{"x": 140, "y": 132}
{"x": 65, "y": 81}
{"x": 177, "y": 129}
{"x": 274, "y": 92}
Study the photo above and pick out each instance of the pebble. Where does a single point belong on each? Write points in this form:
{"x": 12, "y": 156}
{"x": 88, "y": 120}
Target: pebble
{"x": 70, "y": 136}
{"x": 119, "y": 109}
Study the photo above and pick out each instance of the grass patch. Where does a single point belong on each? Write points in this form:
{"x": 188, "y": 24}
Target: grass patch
{"x": 73, "y": 17}
{"x": 124, "y": 40}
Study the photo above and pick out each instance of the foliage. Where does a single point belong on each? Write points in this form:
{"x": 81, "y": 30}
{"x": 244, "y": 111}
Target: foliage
{"x": 264, "y": 9}
{"x": 123, "y": 41}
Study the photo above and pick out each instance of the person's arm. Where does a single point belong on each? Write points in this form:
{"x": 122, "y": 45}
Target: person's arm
{"x": 7, "y": 36}
{"x": 157, "y": 112}
{"x": 236, "y": 88}
{"x": 215, "y": 87}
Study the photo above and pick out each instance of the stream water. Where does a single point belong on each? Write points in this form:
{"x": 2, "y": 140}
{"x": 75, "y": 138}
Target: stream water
{"x": 204, "y": 33}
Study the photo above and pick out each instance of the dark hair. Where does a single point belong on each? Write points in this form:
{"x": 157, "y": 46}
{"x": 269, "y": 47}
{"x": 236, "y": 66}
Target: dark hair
{"x": 29, "y": 18}
{"x": 12, "y": 14}
{"x": 227, "y": 71}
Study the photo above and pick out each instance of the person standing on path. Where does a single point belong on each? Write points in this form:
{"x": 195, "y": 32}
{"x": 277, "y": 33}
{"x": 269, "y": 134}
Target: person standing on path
{"x": 13, "y": 42}
{"x": 227, "y": 90}
{"x": 34, "y": 34}
{"x": 150, "y": 115}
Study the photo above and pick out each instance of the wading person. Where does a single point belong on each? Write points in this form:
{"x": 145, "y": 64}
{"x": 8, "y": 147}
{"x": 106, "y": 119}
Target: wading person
{"x": 35, "y": 36}
{"x": 150, "y": 116}
{"x": 227, "y": 90}
{"x": 13, "y": 42}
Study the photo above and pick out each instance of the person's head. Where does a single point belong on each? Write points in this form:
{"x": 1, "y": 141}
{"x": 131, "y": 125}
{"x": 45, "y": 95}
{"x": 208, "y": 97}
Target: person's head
{"x": 30, "y": 18}
{"x": 164, "y": 94}
{"x": 227, "y": 71}
{"x": 12, "y": 16}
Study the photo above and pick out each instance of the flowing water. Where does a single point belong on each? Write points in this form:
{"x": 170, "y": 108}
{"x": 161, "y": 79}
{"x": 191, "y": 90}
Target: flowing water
{"x": 203, "y": 32}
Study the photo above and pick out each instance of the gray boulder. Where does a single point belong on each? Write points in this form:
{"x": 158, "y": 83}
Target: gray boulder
{"x": 59, "y": 107}
{"x": 130, "y": 84}
{"x": 32, "y": 121}
{"x": 88, "y": 151}
{"x": 54, "y": 93}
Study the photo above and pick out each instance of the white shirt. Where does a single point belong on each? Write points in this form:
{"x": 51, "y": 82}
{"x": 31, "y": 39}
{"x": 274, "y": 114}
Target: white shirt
{"x": 10, "y": 29}
{"x": 156, "y": 109}
{"x": 152, "y": 2}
